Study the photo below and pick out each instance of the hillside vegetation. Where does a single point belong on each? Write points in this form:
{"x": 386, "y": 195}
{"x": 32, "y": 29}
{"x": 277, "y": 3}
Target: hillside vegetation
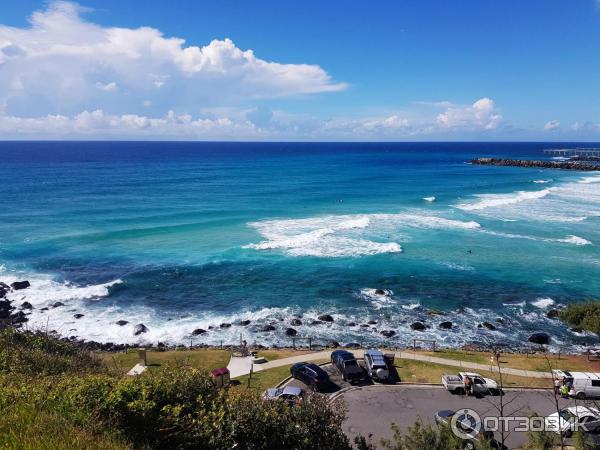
{"x": 55, "y": 395}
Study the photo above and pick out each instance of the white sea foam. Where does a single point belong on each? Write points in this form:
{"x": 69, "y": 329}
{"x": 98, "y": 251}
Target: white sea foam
{"x": 429, "y": 199}
{"x": 496, "y": 200}
{"x": 456, "y": 266}
{"x": 542, "y": 303}
{"x": 542, "y": 181}
{"x": 345, "y": 235}
{"x": 412, "y": 306}
{"x": 576, "y": 240}
{"x": 378, "y": 301}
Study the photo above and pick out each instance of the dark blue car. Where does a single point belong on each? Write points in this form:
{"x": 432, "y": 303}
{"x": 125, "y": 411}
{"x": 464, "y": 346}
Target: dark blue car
{"x": 310, "y": 374}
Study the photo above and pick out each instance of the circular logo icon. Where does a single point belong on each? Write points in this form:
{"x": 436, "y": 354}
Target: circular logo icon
{"x": 466, "y": 423}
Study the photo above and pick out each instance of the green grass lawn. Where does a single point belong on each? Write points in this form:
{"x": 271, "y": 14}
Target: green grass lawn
{"x": 207, "y": 359}
{"x": 424, "y": 372}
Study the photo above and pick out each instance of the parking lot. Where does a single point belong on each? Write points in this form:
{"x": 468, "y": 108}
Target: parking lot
{"x": 372, "y": 408}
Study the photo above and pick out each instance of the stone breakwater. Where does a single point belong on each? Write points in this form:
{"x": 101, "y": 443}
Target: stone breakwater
{"x": 563, "y": 165}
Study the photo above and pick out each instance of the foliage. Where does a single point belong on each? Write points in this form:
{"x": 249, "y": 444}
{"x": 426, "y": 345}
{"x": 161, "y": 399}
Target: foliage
{"x": 36, "y": 353}
{"x": 422, "y": 436}
{"x": 583, "y": 315}
{"x": 542, "y": 440}
{"x": 584, "y": 441}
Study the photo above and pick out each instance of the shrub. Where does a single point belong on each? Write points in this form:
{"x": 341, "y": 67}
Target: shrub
{"x": 38, "y": 354}
{"x": 583, "y": 315}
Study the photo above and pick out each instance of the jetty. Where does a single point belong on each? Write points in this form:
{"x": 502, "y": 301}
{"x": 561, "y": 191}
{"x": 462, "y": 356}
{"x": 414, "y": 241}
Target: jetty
{"x": 580, "y": 165}
{"x": 579, "y": 152}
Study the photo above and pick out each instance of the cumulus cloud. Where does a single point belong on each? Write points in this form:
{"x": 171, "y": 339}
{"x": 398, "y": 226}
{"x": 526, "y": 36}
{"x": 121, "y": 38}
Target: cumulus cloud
{"x": 482, "y": 114}
{"x": 99, "y": 125}
{"x": 62, "y": 63}
{"x": 552, "y": 125}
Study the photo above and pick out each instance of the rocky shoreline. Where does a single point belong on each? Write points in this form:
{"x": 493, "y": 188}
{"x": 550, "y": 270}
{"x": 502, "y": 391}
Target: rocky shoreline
{"x": 572, "y": 164}
{"x": 17, "y": 317}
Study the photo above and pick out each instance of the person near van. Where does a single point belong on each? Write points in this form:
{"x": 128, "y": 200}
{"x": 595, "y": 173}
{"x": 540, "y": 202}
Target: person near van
{"x": 564, "y": 390}
{"x": 557, "y": 384}
{"x": 468, "y": 386}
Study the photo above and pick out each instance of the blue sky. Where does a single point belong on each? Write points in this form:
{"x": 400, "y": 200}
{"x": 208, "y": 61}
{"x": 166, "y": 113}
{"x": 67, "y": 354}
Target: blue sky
{"x": 335, "y": 70}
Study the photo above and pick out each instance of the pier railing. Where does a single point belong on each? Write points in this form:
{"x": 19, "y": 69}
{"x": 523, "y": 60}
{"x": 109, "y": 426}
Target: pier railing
{"x": 577, "y": 151}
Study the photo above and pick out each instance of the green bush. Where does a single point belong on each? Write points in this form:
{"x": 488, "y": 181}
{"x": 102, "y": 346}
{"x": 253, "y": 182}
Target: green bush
{"x": 38, "y": 354}
{"x": 583, "y": 315}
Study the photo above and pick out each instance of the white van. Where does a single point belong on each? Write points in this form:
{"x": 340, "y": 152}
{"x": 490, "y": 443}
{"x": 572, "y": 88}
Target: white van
{"x": 585, "y": 384}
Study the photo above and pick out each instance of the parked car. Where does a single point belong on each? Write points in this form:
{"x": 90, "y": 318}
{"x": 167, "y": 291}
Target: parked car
{"x": 445, "y": 416}
{"x": 585, "y": 384}
{"x": 480, "y": 385}
{"x": 310, "y": 374}
{"x": 376, "y": 365}
{"x": 290, "y": 394}
{"x": 348, "y": 366}
{"x": 568, "y": 420}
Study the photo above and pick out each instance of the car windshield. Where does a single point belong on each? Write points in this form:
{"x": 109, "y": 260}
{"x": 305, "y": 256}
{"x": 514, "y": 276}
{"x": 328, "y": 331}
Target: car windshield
{"x": 378, "y": 366}
{"x": 567, "y": 415}
{"x": 350, "y": 362}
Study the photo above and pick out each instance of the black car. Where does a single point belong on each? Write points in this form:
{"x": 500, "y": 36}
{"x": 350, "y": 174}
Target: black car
{"x": 348, "y": 366}
{"x": 310, "y": 374}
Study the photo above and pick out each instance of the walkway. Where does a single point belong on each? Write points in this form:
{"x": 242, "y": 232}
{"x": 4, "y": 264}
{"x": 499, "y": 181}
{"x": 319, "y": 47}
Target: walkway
{"x": 244, "y": 370}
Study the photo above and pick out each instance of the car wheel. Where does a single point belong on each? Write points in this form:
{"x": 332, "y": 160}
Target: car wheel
{"x": 580, "y": 396}
{"x": 459, "y": 391}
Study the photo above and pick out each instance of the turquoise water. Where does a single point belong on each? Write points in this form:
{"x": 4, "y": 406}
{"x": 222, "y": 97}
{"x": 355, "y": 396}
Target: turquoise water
{"x": 181, "y": 236}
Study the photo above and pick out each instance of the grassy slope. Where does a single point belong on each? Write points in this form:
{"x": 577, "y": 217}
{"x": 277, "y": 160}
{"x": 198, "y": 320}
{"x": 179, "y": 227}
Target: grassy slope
{"x": 25, "y": 427}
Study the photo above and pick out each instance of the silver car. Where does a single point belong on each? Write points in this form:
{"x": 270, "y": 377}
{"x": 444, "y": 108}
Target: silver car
{"x": 377, "y": 367}
{"x": 290, "y": 394}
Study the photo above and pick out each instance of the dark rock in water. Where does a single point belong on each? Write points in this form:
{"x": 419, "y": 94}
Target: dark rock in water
{"x": 379, "y": 291}
{"x": 351, "y": 324}
{"x": 18, "y": 318}
{"x": 26, "y": 305}
{"x": 552, "y": 314}
{"x": 3, "y": 292}
{"x": 325, "y": 318}
{"x": 121, "y": 322}
{"x": 268, "y": 328}
{"x": 372, "y": 322}
{"x": 316, "y": 322}
{"x": 576, "y": 329}
{"x": 211, "y": 327}
{"x": 540, "y": 338}
{"x": 198, "y": 331}
{"x": 78, "y": 316}
{"x": 333, "y": 344}
{"x": 225, "y": 325}
{"x": 291, "y": 332}
{"x": 352, "y": 345}
{"x": 139, "y": 329}
{"x": 364, "y": 325}
{"x": 296, "y": 322}
{"x": 57, "y": 304}
{"x": 4, "y": 286}
{"x": 44, "y": 308}
{"x": 244, "y": 322}
{"x": 487, "y": 325}
{"x": 417, "y": 326}
{"x": 388, "y": 333}
{"x": 500, "y": 320}
{"x": 18, "y": 285}
{"x": 445, "y": 325}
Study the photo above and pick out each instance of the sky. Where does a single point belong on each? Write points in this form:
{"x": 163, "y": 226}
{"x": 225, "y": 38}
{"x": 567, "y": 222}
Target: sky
{"x": 422, "y": 70}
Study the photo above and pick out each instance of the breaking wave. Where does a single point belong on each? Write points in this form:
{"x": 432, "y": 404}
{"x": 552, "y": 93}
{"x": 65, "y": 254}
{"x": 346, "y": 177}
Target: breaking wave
{"x": 345, "y": 235}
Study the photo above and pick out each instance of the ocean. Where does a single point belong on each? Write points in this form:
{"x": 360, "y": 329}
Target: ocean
{"x": 180, "y": 236}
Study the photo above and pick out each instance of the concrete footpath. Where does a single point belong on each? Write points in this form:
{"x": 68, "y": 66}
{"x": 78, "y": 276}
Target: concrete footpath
{"x": 243, "y": 367}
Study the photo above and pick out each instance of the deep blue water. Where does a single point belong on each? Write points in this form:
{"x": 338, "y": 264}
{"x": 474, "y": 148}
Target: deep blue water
{"x": 181, "y": 236}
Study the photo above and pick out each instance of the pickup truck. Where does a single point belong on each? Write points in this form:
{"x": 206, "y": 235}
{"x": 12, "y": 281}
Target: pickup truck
{"x": 480, "y": 385}
{"x": 348, "y": 366}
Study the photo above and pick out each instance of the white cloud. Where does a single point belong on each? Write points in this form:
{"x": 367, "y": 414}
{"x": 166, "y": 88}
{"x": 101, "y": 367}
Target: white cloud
{"x": 62, "y": 63}
{"x": 482, "y": 114}
{"x": 552, "y": 125}
{"x": 108, "y": 87}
